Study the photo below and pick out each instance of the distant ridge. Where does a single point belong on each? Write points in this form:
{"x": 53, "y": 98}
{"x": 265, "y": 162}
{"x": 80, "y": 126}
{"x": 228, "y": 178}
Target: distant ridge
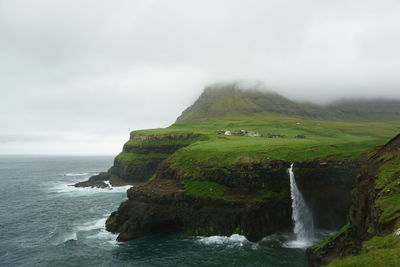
{"x": 232, "y": 99}
{"x": 371, "y": 108}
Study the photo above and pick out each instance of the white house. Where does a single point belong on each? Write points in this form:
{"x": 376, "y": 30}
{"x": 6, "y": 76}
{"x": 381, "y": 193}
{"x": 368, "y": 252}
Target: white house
{"x": 228, "y": 133}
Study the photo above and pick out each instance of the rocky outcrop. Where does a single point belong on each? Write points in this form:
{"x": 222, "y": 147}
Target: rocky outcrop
{"x": 95, "y": 181}
{"x": 99, "y": 181}
{"x": 164, "y": 205}
{"x": 326, "y": 187}
{"x": 140, "y": 158}
{"x": 374, "y": 216}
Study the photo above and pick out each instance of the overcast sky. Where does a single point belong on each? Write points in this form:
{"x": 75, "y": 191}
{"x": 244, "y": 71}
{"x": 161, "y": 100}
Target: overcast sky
{"x": 77, "y": 76}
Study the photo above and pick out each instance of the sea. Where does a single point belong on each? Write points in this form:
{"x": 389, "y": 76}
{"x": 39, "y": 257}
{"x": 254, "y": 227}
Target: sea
{"x": 44, "y": 221}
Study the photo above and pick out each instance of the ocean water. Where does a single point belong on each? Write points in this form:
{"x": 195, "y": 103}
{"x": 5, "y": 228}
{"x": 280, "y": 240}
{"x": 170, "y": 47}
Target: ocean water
{"x": 46, "y": 222}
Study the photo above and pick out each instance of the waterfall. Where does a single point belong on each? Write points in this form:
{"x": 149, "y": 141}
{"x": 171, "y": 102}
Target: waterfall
{"x": 301, "y": 215}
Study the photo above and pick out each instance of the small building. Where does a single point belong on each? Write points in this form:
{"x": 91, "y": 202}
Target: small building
{"x": 228, "y": 133}
{"x": 275, "y": 136}
{"x": 237, "y": 133}
{"x": 220, "y": 131}
{"x": 253, "y": 134}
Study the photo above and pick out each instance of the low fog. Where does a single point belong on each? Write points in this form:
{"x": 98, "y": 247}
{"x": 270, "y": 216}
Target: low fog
{"x": 77, "y": 76}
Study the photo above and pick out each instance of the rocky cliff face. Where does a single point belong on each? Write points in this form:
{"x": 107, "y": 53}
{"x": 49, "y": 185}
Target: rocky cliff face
{"x": 249, "y": 198}
{"x": 372, "y": 232}
{"x": 165, "y": 205}
{"x": 139, "y": 159}
{"x": 326, "y": 187}
{"x": 169, "y": 203}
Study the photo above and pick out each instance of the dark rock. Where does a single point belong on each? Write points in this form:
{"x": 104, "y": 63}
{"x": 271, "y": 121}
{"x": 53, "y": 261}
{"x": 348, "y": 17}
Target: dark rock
{"x": 95, "y": 181}
{"x": 162, "y": 205}
{"x": 244, "y": 174}
{"x": 326, "y": 187}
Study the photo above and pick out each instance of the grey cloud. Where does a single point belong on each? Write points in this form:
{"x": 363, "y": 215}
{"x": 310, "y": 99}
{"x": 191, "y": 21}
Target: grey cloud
{"x": 103, "y": 68}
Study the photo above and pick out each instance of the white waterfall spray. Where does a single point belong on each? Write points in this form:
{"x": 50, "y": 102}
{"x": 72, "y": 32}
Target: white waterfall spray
{"x": 301, "y": 215}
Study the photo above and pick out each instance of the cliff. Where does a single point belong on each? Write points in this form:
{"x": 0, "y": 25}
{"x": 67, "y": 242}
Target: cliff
{"x": 248, "y": 197}
{"x": 200, "y": 208}
{"x": 140, "y": 157}
{"x": 326, "y": 187}
{"x": 372, "y": 235}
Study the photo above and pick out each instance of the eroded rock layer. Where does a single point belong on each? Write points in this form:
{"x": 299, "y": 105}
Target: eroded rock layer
{"x": 165, "y": 205}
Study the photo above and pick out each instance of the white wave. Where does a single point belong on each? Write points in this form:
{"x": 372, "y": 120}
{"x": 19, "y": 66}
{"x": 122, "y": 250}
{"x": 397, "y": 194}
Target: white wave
{"x": 106, "y": 236}
{"x": 69, "y": 189}
{"x": 93, "y": 225}
{"x": 100, "y": 232}
{"x": 109, "y": 184}
{"x": 234, "y": 239}
{"x": 96, "y": 232}
{"x": 63, "y": 237}
{"x": 71, "y": 236}
{"x": 297, "y": 244}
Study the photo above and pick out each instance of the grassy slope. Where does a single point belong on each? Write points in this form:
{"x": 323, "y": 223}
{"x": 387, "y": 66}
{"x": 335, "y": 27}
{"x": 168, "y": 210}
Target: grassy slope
{"x": 378, "y": 251}
{"x": 226, "y": 106}
{"x": 325, "y": 139}
{"x": 232, "y": 109}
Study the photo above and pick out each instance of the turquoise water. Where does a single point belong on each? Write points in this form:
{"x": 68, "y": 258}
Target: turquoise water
{"x": 46, "y": 222}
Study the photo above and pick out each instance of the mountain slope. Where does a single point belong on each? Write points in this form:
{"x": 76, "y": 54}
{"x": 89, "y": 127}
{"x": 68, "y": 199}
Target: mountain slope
{"x": 372, "y": 108}
{"x": 231, "y": 100}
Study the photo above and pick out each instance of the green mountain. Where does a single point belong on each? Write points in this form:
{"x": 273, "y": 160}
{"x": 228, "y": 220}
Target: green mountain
{"x": 230, "y": 100}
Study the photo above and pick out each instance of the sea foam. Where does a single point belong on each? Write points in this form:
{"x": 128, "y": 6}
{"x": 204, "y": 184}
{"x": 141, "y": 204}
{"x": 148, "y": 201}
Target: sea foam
{"x": 234, "y": 240}
{"x": 92, "y": 225}
{"x": 68, "y": 188}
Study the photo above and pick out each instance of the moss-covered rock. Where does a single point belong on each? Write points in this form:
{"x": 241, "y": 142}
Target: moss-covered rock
{"x": 373, "y": 239}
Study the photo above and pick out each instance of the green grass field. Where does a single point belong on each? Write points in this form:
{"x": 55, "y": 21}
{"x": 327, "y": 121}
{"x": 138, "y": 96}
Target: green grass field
{"x": 324, "y": 139}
